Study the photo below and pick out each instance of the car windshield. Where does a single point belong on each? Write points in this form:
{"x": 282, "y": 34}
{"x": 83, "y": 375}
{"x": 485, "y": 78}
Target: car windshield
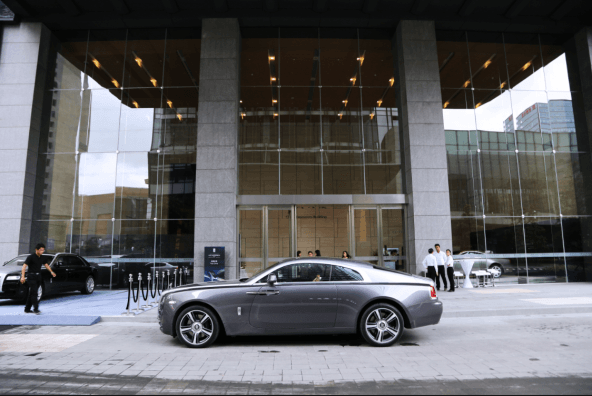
{"x": 260, "y": 272}
{"x": 19, "y": 261}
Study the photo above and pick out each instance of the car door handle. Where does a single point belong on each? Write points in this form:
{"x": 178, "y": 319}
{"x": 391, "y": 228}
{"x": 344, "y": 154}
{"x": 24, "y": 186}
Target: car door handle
{"x": 257, "y": 293}
{"x": 265, "y": 293}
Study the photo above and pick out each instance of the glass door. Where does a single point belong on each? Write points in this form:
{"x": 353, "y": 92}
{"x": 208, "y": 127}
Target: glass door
{"x": 250, "y": 231}
{"x": 280, "y": 223}
{"x": 393, "y": 239}
{"x": 366, "y": 235}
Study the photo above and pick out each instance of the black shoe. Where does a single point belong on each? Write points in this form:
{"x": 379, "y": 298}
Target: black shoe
{"x": 27, "y": 312}
{"x": 450, "y": 291}
{"x": 37, "y": 312}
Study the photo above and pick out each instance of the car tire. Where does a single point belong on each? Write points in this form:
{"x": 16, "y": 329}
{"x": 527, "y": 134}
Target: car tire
{"x": 197, "y": 327}
{"x": 89, "y": 286}
{"x": 382, "y": 325}
{"x": 499, "y": 268}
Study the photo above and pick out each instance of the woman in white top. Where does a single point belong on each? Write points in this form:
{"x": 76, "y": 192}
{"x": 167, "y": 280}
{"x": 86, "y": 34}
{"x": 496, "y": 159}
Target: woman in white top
{"x": 449, "y": 263}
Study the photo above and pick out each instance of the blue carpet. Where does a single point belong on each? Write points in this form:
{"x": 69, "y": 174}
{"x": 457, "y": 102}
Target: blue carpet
{"x": 48, "y": 320}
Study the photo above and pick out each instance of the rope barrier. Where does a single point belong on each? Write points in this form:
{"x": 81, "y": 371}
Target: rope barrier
{"x": 145, "y": 297}
{"x": 153, "y": 286}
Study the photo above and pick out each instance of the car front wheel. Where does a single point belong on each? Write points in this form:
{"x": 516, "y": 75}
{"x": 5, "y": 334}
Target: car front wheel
{"x": 197, "y": 327}
{"x": 498, "y": 268}
{"x": 382, "y": 325}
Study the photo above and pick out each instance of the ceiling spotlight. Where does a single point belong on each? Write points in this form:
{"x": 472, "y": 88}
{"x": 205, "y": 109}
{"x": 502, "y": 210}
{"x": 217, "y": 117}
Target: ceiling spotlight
{"x": 340, "y": 115}
{"x": 114, "y": 82}
{"x": 136, "y": 104}
{"x": 353, "y": 80}
{"x": 153, "y": 81}
{"x": 274, "y": 101}
{"x": 243, "y": 115}
{"x": 503, "y": 85}
{"x": 446, "y": 104}
{"x": 272, "y": 58}
{"x": 486, "y": 65}
{"x": 344, "y": 102}
{"x": 372, "y": 116}
{"x": 241, "y": 101}
{"x": 180, "y": 117}
{"x": 526, "y": 66}
{"x": 478, "y": 105}
{"x": 170, "y": 103}
{"x": 392, "y": 81}
{"x": 96, "y": 62}
{"x": 467, "y": 83}
{"x": 139, "y": 61}
{"x": 273, "y": 79}
{"x": 275, "y": 114}
{"x": 379, "y": 102}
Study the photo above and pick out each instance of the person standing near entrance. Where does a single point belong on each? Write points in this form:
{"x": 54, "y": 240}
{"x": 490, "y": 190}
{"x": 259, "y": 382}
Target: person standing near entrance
{"x": 430, "y": 264}
{"x": 450, "y": 269}
{"x": 441, "y": 259}
{"x": 34, "y": 280}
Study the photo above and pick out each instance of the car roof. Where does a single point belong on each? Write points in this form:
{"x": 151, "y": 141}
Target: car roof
{"x": 329, "y": 260}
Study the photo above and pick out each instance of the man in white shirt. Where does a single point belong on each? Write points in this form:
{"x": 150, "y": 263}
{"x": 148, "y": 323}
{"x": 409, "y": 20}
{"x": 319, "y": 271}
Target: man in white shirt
{"x": 430, "y": 264}
{"x": 450, "y": 269}
{"x": 441, "y": 259}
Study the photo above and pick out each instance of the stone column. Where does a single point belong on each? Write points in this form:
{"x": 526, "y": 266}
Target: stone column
{"x": 217, "y": 133}
{"x": 421, "y": 125}
{"x": 25, "y": 68}
{"x": 578, "y": 54}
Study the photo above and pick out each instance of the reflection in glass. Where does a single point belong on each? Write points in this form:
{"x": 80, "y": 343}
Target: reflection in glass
{"x": 505, "y": 240}
{"x": 105, "y": 58}
{"x": 464, "y": 181}
{"x": 92, "y": 238}
{"x": 183, "y": 49}
{"x": 577, "y": 234}
{"x": 469, "y": 234}
{"x": 488, "y": 64}
{"x": 99, "y": 124}
{"x": 544, "y": 235}
{"x": 571, "y": 171}
{"x": 133, "y": 199}
{"x": 175, "y": 123}
{"x": 56, "y": 235}
{"x": 173, "y": 177}
{"x": 95, "y": 186}
{"x": 174, "y": 241}
{"x": 251, "y": 233}
{"x": 501, "y": 184}
{"x": 58, "y": 184}
{"x": 137, "y": 125}
{"x": 539, "y": 184}
{"x": 365, "y": 226}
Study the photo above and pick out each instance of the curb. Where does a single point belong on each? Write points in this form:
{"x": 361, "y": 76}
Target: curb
{"x": 517, "y": 312}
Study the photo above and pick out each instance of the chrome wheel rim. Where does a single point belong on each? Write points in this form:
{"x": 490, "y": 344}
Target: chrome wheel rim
{"x": 498, "y": 269}
{"x": 39, "y": 293}
{"x": 90, "y": 284}
{"x": 382, "y": 325}
{"x": 196, "y": 327}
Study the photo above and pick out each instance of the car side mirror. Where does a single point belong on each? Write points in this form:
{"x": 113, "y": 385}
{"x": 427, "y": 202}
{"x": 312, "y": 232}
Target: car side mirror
{"x": 272, "y": 280}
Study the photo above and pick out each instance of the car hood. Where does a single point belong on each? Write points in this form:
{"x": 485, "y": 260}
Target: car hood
{"x": 204, "y": 285}
{"x": 10, "y": 270}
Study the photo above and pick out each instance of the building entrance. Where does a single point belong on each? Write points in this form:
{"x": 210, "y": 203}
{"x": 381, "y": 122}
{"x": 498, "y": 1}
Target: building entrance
{"x": 270, "y": 234}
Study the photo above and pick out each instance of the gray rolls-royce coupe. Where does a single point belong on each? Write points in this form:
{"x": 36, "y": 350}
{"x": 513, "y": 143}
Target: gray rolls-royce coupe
{"x": 304, "y": 296}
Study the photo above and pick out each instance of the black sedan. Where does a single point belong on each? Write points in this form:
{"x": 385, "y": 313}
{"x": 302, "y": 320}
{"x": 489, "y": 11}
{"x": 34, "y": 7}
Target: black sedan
{"x": 73, "y": 274}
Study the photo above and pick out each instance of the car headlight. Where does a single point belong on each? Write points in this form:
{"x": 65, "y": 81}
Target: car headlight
{"x": 13, "y": 277}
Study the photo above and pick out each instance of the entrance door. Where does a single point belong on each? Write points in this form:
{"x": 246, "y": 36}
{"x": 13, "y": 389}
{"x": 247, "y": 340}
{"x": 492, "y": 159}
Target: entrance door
{"x": 279, "y": 234}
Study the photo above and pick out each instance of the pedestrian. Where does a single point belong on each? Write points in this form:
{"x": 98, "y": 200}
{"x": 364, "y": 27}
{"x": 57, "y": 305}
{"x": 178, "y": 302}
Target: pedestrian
{"x": 345, "y": 255}
{"x": 34, "y": 279}
{"x": 450, "y": 269}
{"x": 299, "y": 253}
{"x": 310, "y": 254}
{"x": 430, "y": 264}
{"x": 441, "y": 259}
{"x": 318, "y": 253}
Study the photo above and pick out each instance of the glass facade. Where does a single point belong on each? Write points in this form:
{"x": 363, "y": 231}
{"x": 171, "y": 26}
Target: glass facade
{"x": 515, "y": 182}
{"x": 118, "y": 180}
{"x": 318, "y": 114}
{"x": 318, "y": 122}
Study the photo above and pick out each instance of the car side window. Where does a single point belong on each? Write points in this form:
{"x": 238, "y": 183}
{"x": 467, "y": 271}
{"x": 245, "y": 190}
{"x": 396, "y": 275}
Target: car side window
{"x": 74, "y": 261}
{"x": 302, "y": 272}
{"x": 343, "y": 274}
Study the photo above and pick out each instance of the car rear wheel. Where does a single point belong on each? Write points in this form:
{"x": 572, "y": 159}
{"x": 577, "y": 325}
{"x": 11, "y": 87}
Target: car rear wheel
{"x": 498, "y": 268}
{"x": 382, "y": 325}
{"x": 89, "y": 286}
{"x": 197, "y": 327}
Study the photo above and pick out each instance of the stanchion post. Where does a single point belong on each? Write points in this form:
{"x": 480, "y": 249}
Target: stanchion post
{"x": 175, "y": 275}
{"x": 168, "y": 280}
{"x": 129, "y": 295}
{"x": 146, "y": 305}
{"x": 139, "y": 292}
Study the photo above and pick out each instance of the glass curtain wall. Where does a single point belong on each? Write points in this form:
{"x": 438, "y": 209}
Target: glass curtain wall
{"x": 513, "y": 158}
{"x": 317, "y": 114}
{"x": 118, "y": 164}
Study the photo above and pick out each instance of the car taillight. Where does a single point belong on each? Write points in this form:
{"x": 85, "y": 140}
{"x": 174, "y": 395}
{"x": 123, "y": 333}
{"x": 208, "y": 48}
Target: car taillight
{"x": 433, "y": 292}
